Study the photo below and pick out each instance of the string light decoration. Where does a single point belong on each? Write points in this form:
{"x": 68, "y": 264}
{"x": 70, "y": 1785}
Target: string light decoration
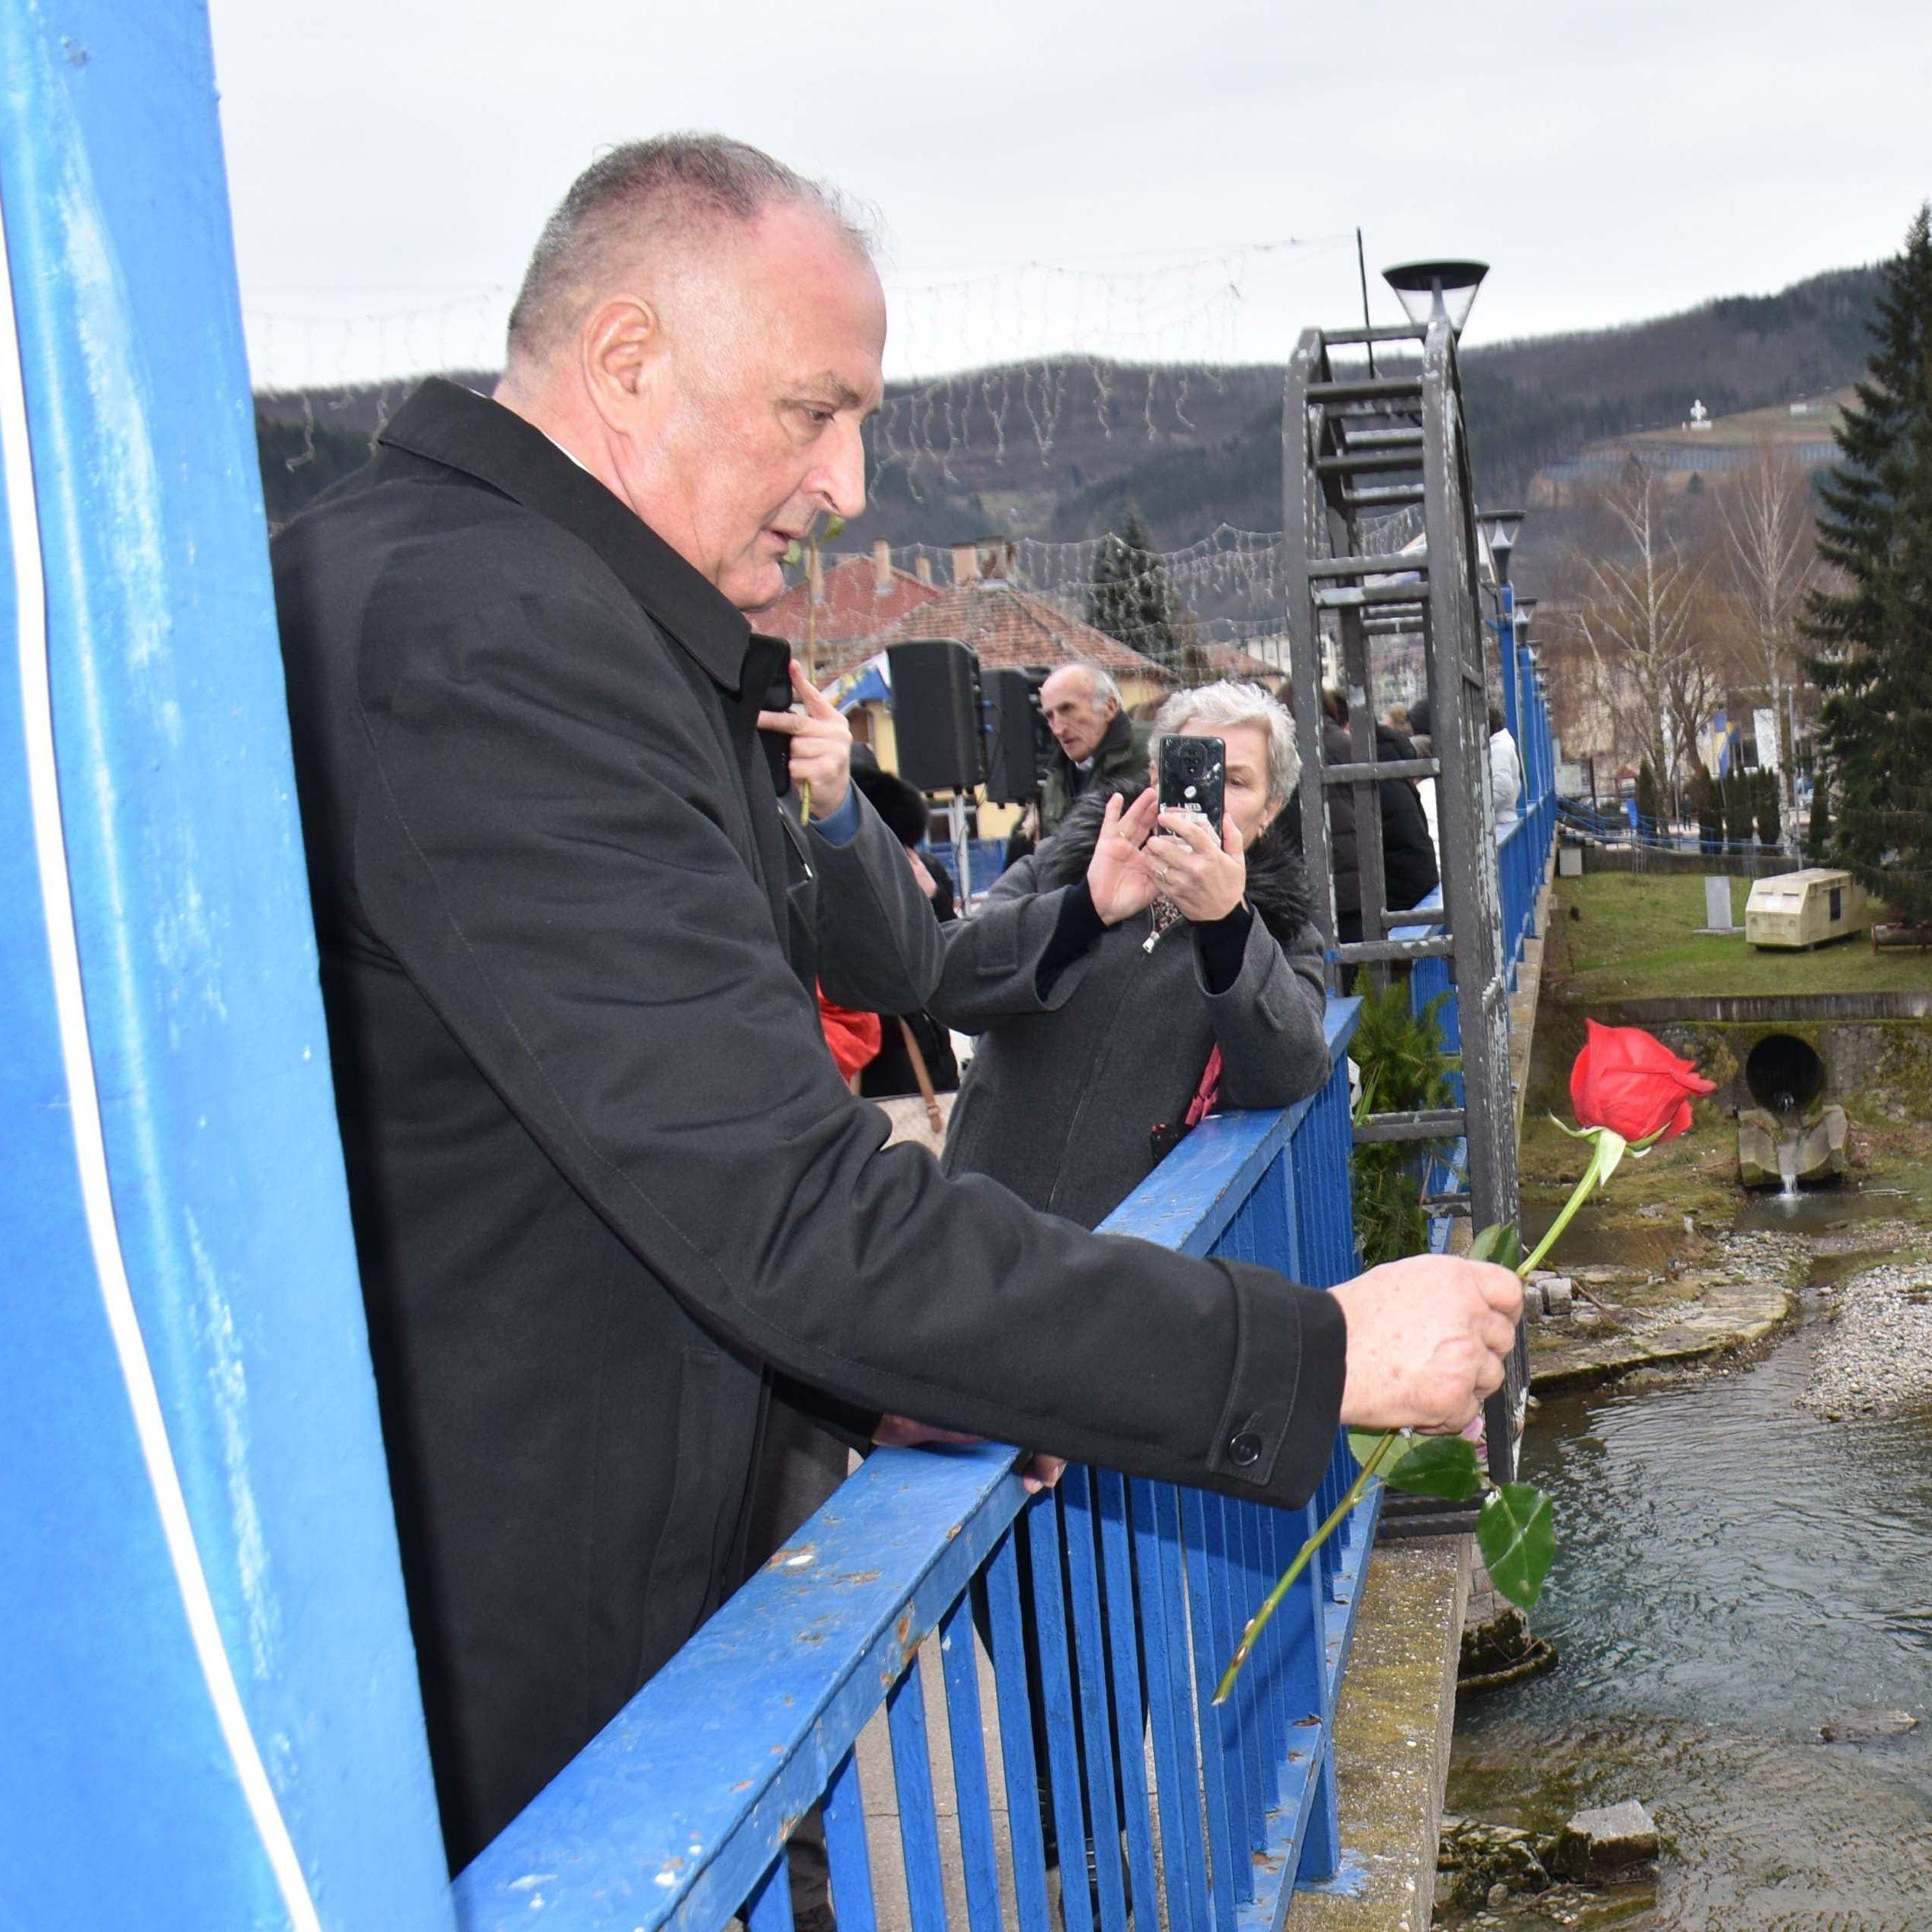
{"x": 992, "y": 369}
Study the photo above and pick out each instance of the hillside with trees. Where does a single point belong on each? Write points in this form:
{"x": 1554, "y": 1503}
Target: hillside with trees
{"x": 1060, "y": 448}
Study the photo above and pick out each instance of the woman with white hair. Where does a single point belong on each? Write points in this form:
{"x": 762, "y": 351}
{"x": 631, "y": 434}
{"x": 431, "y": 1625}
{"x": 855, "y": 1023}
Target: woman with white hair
{"x": 1136, "y": 969}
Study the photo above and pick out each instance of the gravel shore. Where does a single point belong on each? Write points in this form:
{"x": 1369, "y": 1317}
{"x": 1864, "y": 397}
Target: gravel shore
{"x": 1878, "y": 1354}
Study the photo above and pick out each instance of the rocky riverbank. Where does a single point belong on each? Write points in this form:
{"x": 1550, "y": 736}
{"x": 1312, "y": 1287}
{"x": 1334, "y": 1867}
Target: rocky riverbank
{"x": 1595, "y": 1323}
{"x": 1878, "y": 1354}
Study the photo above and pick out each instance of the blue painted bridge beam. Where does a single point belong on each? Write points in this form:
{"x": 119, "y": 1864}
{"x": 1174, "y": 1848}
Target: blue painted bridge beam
{"x": 209, "y": 1712}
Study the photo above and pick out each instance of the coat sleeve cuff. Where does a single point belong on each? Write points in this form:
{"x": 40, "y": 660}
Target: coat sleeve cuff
{"x": 1277, "y": 1432}
{"x": 842, "y": 826}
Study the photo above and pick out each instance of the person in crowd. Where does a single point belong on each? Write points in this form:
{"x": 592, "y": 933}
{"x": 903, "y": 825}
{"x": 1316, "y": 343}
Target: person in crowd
{"x": 1505, "y": 771}
{"x": 1098, "y": 743}
{"x": 1408, "y": 864}
{"x": 609, "y": 1190}
{"x": 1136, "y": 968}
{"x": 1409, "y": 870}
{"x": 1345, "y": 865}
{"x": 914, "y": 1042}
{"x": 1132, "y": 974}
{"x": 1420, "y": 718}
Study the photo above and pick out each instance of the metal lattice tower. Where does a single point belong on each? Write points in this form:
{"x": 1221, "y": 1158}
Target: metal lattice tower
{"x": 1381, "y": 554}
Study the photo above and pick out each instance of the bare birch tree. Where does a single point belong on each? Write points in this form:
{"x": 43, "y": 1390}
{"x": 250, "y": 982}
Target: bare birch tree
{"x": 1768, "y": 534}
{"x": 1639, "y": 620}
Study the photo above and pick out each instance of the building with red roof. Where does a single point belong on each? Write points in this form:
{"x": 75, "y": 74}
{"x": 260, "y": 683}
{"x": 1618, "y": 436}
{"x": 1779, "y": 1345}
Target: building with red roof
{"x": 852, "y": 598}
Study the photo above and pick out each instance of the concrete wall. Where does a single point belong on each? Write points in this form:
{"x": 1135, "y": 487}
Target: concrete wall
{"x": 1877, "y": 1047}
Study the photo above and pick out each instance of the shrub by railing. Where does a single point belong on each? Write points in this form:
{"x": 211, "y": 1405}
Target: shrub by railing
{"x": 677, "y": 1813}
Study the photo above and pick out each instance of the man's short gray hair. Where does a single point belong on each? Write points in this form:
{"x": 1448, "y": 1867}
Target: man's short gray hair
{"x": 649, "y": 193}
{"x": 1233, "y": 702}
{"x": 1099, "y": 683}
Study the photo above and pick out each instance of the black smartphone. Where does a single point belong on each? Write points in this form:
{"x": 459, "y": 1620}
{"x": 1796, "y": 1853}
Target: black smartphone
{"x": 1194, "y": 777}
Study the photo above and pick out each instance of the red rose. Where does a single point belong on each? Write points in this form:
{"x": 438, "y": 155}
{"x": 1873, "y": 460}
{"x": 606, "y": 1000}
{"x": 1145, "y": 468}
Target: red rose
{"x": 1633, "y": 1084}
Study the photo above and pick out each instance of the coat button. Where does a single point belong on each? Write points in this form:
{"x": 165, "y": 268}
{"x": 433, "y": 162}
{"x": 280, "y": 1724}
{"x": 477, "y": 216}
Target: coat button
{"x": 1244, "y": 1450}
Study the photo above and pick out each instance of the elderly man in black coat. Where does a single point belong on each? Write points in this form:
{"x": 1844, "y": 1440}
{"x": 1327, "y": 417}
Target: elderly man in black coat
{"x": 608, "y": 1186}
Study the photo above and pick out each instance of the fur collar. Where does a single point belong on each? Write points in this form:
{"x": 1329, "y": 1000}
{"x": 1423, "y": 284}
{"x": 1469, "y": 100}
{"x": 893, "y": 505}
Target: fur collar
{"x": 1278, "y": 888}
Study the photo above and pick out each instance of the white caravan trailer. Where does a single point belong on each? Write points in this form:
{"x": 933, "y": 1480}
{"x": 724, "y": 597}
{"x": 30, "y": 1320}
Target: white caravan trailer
{"x": 1805, "y": 908}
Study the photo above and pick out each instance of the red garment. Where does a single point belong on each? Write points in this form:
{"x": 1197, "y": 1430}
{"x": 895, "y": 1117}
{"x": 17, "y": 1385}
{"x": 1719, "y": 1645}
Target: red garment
{"x": 854, "y": 1038}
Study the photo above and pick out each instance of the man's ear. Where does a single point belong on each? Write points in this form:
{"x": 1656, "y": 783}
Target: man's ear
{"x": 623, "y": 353}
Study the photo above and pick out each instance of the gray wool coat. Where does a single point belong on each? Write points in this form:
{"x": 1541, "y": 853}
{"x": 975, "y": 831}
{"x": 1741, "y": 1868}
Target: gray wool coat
{"x": 1064, "y": 1092}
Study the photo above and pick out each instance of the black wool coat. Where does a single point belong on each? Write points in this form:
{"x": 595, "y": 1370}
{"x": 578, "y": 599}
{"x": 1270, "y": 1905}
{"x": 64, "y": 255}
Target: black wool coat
{"x": 606, "y": 1181}
{"x": 1066, "y": 1086}
{"x": 1408, "y": 852}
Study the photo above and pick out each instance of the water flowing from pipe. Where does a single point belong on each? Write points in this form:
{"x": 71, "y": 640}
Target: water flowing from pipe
{"x": 1787, "y": 1146}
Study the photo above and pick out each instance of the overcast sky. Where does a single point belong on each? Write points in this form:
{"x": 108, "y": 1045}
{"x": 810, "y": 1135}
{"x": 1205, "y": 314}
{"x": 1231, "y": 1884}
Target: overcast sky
{"x": 1124, "y": 180}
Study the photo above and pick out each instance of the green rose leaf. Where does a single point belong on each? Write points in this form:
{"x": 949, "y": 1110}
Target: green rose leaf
{"x": 1498, "y": 1242}
{"x": 1437, "y": 1465}
{"x": 1516, "y": 1533}
{"x": 1423, "y": 1465}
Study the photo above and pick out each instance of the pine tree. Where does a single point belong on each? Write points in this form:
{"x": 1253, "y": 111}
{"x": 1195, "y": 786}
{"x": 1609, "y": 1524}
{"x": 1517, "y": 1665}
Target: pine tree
{"x": 1818, "y": 835}
{"x": 1764, "y": 788}
{"x": 1707, "y": 801}
{"x": 1874, "y": 633}
{"x": 1650, "y": 802}
{"x": 1131, "y": 597}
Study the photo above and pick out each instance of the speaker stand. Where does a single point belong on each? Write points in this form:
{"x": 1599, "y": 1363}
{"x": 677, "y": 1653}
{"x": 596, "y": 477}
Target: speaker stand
{"x": 962, "y": 857}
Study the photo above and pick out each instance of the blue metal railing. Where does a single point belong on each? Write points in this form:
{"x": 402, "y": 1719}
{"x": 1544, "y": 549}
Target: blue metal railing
{"x": 677, "y": 1814}
{"x": 1640, "y": 833}
{"x": 1522, "y": 863}
{"x": 987, "y": 858}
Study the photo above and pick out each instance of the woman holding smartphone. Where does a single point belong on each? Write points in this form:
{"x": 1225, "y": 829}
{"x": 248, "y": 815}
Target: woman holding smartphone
{"x": 1149, "y": 960}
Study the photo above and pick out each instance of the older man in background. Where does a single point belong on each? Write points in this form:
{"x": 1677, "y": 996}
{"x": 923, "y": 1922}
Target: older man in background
{"x": 1099, "y": 744}
{"x": 608, "y": 1186}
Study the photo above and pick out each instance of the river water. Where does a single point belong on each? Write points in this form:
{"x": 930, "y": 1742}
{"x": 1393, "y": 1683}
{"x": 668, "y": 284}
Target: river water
{"x": 1732, "y": 1572}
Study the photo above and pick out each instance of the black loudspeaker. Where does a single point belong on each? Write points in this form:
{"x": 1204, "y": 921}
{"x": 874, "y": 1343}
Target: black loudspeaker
{"x": 935, "y": 713}
{"x": 1018, "y": 746}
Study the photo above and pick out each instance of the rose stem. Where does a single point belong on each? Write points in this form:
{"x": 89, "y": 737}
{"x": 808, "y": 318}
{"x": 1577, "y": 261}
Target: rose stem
{"x": 1585, "y": 1187}
{"x": 1258, "y": 1621}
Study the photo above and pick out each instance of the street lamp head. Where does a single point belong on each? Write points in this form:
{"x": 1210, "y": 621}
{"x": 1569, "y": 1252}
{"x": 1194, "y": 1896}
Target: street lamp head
{"x": 1500, "y": 528}
{"x": 1429, "y": 290}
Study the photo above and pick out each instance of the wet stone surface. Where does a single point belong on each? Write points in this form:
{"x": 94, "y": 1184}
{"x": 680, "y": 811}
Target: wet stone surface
{"x": 1668, "y": 1313}
{"x": 1760, "y": 1834}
